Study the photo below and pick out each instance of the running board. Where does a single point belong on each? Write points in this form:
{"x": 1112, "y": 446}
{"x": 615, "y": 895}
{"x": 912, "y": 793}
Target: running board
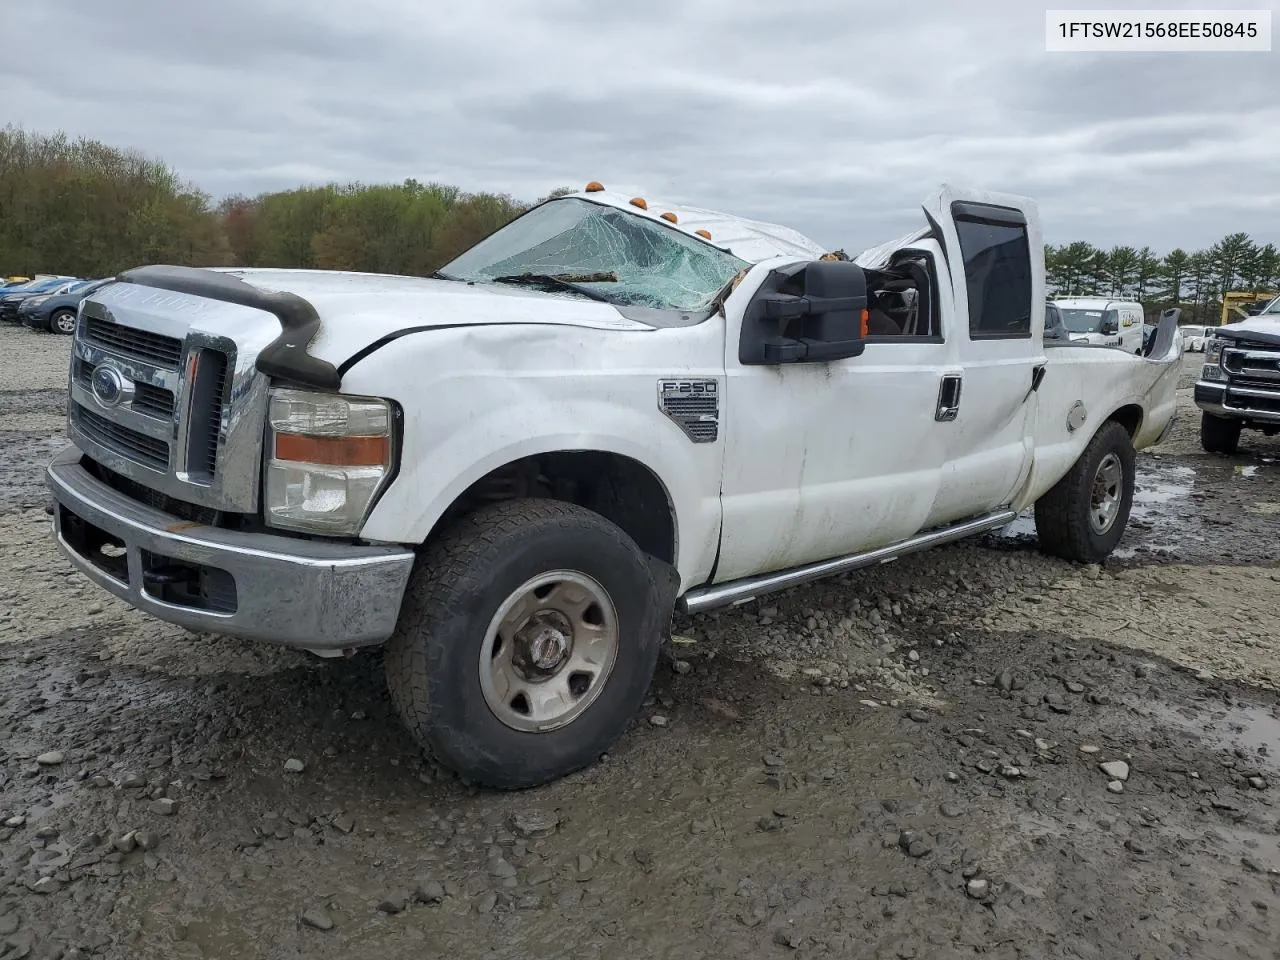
{"x": 701, "y": 599}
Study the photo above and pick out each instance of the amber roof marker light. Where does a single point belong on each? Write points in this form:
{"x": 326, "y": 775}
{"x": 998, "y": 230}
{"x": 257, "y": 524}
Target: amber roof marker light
{"x": 595, "y": 186}
{"x": 705, "y": 234}
{"x": 670, "y": 217}
{"x": 640, "y": 202}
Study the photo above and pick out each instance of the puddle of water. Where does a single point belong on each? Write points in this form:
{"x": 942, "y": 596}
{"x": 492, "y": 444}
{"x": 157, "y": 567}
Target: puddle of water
{"x": 1155, "y": 486}
{"x": 1254, "y": 729}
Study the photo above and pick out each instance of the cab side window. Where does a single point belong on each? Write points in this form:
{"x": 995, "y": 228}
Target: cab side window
{"x": 902, "y": 300}
{"x": 997, "y": 264}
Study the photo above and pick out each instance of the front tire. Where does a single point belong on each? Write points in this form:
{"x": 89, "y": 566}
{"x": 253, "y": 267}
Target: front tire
{"x": 527, "y": 641}
{"x": 1218, "y": 434}
{"x": 63, "y": 321}
{"x": 1084, "y": 515}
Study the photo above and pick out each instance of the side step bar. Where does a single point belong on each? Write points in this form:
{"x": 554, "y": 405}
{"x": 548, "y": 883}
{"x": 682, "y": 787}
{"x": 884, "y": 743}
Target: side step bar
{"x": 701, "y": 599}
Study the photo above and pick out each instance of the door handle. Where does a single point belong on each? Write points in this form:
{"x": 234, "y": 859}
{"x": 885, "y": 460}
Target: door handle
{"x": 948, "y": 397}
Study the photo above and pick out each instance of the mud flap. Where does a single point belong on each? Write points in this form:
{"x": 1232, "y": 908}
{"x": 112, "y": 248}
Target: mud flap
{"x": 666, "y": 582}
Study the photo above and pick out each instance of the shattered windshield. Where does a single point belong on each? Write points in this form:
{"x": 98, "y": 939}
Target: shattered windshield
{"x": 1082, "y": 321}
{"x": 602, "y": 252}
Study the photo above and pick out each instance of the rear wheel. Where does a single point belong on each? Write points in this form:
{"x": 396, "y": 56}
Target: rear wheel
{"x": 527, "y": 642}
{"x": 1084, "y": 515}
{"x": 63, "y": 321}
{"x": 1219, "y": 434}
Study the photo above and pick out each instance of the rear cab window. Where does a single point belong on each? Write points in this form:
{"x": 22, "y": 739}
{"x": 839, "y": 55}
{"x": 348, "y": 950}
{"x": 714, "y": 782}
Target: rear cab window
{"x": 997, "y": 267}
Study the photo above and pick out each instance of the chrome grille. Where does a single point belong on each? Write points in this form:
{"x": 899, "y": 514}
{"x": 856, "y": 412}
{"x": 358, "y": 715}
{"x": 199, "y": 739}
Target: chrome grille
{"x": 149, "y": 430}
{"x": 192, "y": 430}
{"x": 132, "y": 343}
{"x": 208, "y": 395}
{"x": 137, "y": 446}
{"x": 153, "y": 401}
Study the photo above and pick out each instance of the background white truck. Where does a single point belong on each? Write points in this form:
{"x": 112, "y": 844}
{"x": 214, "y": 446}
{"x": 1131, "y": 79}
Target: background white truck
{"x": 1239, "y": 385}
{"x": 512, "y": 471}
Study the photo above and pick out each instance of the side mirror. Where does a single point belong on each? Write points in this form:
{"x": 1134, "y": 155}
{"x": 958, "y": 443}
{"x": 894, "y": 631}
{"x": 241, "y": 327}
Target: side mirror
{"x": 1110, "y": 326}
{"x": 806, "y": 313}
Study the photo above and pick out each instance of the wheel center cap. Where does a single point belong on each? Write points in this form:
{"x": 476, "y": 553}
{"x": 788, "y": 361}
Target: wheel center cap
{"x": 547, "y": 647}
{"x": 544, "y": 642}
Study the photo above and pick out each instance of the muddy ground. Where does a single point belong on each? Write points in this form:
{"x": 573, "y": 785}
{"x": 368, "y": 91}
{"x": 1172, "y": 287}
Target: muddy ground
{"x": 901, "y": 764}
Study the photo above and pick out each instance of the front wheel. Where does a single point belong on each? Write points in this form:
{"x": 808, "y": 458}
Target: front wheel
{"x": 1219, "y": 434}
{"x": 1084, "y": 515}
{"x": 63, "y": 321}
{"x": 527, "y": 642}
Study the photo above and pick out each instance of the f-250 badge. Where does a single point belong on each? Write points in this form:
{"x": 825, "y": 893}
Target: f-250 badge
{"x": 693, "y": 405}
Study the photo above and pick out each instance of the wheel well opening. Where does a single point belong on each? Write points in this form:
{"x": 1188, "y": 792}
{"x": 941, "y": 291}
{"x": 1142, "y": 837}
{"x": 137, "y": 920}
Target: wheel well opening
{"x": 622, "y": 490}
{"x": 1129, "y": 417}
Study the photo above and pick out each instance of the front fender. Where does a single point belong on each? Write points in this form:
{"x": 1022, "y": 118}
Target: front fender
{"x": 468, "y": 420}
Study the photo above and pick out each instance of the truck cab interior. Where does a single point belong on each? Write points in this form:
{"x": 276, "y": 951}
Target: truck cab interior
{"x": 902, "y": 298}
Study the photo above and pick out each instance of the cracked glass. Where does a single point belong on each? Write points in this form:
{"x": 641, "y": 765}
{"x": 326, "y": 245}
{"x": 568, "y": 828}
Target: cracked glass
{"x": 602, "y": 252}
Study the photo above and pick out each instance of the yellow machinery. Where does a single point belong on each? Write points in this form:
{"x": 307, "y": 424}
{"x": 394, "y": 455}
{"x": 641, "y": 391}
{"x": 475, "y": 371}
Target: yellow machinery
{"x": 1233, "y": 301}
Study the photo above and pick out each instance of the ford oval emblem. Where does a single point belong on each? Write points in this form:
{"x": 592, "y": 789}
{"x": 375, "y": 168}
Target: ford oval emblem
{"x": 109, "y": 386}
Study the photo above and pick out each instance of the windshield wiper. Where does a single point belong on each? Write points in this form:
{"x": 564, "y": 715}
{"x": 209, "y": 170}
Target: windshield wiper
{"x": 564, "y": 281}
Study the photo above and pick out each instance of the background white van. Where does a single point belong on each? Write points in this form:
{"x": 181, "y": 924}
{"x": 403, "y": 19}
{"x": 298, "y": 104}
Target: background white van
{"x": 1100, "y": 320}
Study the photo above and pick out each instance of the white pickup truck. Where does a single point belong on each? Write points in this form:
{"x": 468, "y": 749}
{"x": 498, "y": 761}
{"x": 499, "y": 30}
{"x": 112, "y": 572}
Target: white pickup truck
{"x": 512, "y": 472}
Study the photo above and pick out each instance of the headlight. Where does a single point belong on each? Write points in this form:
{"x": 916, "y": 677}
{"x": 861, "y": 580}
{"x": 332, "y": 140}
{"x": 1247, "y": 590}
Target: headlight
{"x": 328, "y": 458}
{"x": 35, "y": 301}
{"x": 1212, "y": 372}
{"x": 1213, "y": 350}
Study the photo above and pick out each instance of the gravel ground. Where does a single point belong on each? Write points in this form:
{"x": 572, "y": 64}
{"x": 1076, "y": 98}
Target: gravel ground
{"x": 904, "y": 763}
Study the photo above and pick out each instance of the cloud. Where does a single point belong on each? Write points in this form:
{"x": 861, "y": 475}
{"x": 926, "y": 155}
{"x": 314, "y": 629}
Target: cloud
{"x": 834, "y": 118}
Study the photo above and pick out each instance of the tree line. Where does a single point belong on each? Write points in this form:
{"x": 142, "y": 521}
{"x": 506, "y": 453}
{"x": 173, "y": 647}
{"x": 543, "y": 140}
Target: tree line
{"x": 1194, "y": 280}
{"x": 83, "y": 208}
{"x": 86, "y": 209}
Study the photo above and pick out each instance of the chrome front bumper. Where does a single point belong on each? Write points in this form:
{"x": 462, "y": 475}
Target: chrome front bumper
{"x": 1224, "y": 400}
{"x": 311, "y": 594}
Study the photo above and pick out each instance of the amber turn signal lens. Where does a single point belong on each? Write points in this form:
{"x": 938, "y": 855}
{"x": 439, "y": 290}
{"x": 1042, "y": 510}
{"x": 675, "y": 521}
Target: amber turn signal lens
{"x": 640, "y": 202}
{"x": 595, "y": 186}
{"x": 866, "y": 322}
{"x": 371, "y": 451}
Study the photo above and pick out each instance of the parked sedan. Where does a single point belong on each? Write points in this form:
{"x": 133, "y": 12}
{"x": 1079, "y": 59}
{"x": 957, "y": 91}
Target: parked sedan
{"x": 56, "y": 311}
{"x": 13, "y": 296}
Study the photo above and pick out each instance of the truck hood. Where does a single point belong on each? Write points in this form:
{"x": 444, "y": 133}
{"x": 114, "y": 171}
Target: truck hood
{"x": 358, "y": 309}
{"x": 1265, "y": 329}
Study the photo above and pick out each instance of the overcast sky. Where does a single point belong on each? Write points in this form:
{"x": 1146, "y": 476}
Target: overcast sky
{"x": 835, "y": 117}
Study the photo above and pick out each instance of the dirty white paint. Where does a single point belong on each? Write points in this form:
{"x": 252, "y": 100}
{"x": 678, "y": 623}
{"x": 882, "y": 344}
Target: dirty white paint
{"x": 813, "y": 460}
{"x": 477, "y": 398}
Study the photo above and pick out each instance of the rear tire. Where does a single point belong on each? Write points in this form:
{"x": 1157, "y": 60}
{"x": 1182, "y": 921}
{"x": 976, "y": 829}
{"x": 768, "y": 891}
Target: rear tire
{"x": 1218, "y": 434}
{"x": 1083, "y": 516}
{"x": 527, "y": 642}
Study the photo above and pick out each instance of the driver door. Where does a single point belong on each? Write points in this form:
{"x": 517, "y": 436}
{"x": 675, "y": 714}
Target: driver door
{"x": 831, "y": 458}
